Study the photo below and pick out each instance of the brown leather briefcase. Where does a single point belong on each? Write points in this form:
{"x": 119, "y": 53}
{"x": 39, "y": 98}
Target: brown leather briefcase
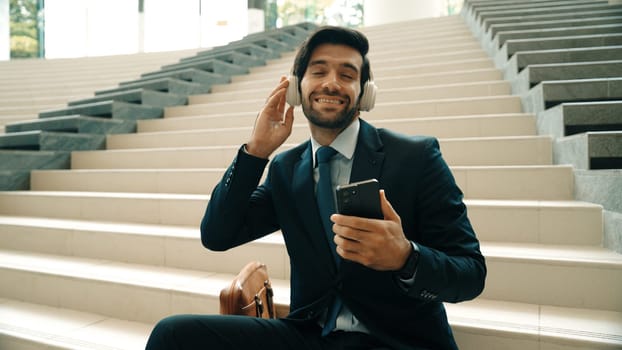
{"x": 250, "y": 293}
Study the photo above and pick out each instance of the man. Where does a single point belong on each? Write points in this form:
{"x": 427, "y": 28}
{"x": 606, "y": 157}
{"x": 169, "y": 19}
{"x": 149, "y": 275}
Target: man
{"x": 370, "y": 284}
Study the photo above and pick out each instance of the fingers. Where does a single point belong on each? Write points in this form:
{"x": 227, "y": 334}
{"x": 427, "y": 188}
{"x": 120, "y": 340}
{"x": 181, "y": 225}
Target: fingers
{"x": 355, "y": 222}
{"x": 277, "y": 99}
{"x": 387, "y": 209}
{"x": 278, "y": 91}
{"x": 273, "y": 124}
{"x": 351, "y": 249}
{"x": 354, "y": 229}
{"x": 289, "y": 118}
{"x": 375, "y": 243}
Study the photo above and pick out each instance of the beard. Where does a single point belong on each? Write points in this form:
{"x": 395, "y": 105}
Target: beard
{"x": 342, "y": 120}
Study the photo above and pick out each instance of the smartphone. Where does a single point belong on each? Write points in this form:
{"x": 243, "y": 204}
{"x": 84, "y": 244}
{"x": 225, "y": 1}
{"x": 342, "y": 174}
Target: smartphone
{"x": 360, "y": 199}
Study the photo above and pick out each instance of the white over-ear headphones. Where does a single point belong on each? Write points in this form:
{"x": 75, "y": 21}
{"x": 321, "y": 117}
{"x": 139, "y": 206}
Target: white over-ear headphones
{"x": 367, "y": 102}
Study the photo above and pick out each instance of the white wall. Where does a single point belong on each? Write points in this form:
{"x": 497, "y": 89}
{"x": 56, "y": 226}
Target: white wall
{"x": 76, "y": 28}
{"x": 5, "y": 31}
{"x": 386, "y": 11}
{"x": 256, "y": 21}
{"x": 223, "y": 21}
{"x": 171, "y": 25}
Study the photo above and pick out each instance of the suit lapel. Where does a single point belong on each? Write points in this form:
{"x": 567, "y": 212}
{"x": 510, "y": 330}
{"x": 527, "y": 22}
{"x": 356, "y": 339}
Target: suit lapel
{"x": 368, "y": 157}
{"x": 303, "y": 190}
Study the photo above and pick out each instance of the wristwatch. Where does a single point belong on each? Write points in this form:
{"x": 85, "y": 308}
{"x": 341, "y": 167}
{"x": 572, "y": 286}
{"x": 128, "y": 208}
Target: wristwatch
{"x": 410, "y": 267}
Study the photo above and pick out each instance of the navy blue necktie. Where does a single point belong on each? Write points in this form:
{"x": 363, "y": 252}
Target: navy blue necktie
{"x": 326, "y": 206}
{"x": 324, "y": 195}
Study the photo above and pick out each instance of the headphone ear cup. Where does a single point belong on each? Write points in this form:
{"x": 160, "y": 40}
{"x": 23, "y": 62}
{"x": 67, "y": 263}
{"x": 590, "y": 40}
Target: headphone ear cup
{"x": 368, "y": 99}
{"x": 292, "y": 95}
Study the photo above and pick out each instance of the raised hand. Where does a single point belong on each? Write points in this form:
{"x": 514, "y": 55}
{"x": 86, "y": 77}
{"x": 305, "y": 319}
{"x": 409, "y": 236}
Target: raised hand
{"x": 273, "y": 124}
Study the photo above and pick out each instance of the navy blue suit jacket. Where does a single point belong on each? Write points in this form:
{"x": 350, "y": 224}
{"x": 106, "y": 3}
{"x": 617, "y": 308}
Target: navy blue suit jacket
{"x": 421, "y": 189}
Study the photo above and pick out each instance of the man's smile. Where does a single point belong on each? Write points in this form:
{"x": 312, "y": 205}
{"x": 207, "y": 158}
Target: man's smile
{"x": 330, "y": 101}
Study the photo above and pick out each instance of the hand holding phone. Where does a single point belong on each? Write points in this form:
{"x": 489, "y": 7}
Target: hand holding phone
{"x": 360, "y": 199}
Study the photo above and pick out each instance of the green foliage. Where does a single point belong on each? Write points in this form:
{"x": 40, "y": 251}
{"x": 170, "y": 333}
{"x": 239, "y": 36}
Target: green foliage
{"x": 23, "y": 46}
{"x": 23, "y": 29}
{"x": 335, "y": 12}
{"x": 22, "y": 11}
{"x": 24, "y": 35}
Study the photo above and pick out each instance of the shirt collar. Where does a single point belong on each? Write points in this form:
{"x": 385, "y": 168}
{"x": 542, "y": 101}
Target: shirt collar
{"x": 345, "y": 143}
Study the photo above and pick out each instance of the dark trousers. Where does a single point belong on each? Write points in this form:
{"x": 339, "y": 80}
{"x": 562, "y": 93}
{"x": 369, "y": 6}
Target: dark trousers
{"x": 207, "y": 332}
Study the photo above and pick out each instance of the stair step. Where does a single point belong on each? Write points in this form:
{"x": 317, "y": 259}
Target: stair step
{"x": 490, "y": 324}
{"x": 108, "y": 109}
{"x": 292, "y": 35}
{"x": 467, "y": 44}
{"x": 93, "y": 285}
{"x": 581, "y": 11}
{"x": 578, "y": 117}
{"x": 36, "y": 326}
{"x": 510, "y": 150}
{"x": 14, "y": 179}
{"x": 27, "y": 110}
{"x": 528, "y": 182}
{"x": 18, "y": 159}
{"x": 442, "y": 127}
{"x": 180, "y": 246}
{"x": 584, "y": 20}
{"x": 51, "y": 141}
{"x": 138, "y": 96}
{"x": 154, "y": 245}
{"x": 74, "y": 123}
{"x": 263, "y": 48}
{"x": 172, "y": 85}
{"x": 204, "y": 62}
{"x": 131, "y": 292}
{"x": 544, "y": 222}
{"x": 550, "y": 93}
{"x": 536, "y": 73}
{"x": 524, "y": 326}
{"x": 531, "y": 221}
{"x": 522, "y": 59}
{"x": 214, "y": 67}
{"x": 485, "y": 125}
{"x": 206, "y": 79}
{"x": 590, "y": 150}
{"x": 502, "y": 37}
{"x": 554, "y": 275}
{"x": 428, "y": 108}
{"x": 487, "y": 10}
{"x": 564, "y": 42}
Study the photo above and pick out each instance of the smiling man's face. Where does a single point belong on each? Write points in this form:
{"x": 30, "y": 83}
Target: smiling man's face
{"x": 331, "y": 86}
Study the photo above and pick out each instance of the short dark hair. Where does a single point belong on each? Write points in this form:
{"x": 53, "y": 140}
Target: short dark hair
{"x": 332, "y": 35}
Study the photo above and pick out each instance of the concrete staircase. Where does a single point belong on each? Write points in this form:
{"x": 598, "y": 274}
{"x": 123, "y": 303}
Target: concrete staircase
{"x": 30, "y": 86}
{"x": 565, "y": 61}
{"x": 92, "y": 257}
{"x": 83, "y": 123}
